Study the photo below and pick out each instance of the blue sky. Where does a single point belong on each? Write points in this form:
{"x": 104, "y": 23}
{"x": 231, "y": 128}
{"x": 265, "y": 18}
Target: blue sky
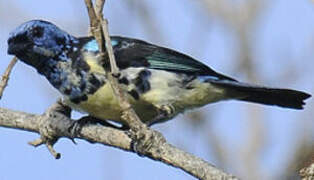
{"x": 283, "y": 38}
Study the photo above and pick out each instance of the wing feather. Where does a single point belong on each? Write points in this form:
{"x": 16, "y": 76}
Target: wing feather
{"x": 137, "y": 53}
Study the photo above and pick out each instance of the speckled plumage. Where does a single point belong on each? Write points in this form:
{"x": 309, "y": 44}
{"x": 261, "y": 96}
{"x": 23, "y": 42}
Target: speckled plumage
{"x": 161, "y": 82}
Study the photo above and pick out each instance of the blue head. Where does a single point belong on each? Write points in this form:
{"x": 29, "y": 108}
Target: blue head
{"x": 36, "y": 42}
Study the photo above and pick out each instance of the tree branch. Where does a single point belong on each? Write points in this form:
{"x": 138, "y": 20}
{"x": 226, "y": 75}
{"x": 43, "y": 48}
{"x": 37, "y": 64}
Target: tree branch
{"x": 62, "y": 126}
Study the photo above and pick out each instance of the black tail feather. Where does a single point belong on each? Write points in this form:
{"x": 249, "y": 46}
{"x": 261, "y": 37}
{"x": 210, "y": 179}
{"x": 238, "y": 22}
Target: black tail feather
{"x": 270, "y": 96}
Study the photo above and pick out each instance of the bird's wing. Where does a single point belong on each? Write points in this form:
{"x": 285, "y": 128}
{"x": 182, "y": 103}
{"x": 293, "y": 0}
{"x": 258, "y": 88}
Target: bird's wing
{"x": 137, "y": 53}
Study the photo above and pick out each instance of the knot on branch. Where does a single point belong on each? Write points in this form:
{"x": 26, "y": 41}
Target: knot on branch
{"x": 56, "y": 114}
{"x": 49, "y": 127}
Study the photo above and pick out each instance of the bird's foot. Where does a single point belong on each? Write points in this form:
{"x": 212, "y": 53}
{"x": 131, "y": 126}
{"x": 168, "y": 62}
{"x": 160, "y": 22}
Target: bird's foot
{"x": 86, "y": 120}
{"x": 164, "y": 112}
{"x": 144, "y": 140}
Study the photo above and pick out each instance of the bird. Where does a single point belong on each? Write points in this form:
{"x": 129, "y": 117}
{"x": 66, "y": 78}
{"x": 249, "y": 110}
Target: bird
{"x": 160, "y": 82}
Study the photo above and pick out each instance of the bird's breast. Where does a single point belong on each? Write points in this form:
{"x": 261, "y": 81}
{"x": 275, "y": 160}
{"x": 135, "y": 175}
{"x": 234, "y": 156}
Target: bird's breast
{"x": 101, "y": 104}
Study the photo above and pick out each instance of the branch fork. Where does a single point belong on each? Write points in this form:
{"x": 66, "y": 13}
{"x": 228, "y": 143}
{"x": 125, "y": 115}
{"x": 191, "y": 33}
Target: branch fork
{"x": 48, "y": 127}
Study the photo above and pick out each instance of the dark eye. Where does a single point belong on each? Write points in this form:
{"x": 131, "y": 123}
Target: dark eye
{"x": 37, "y": 32}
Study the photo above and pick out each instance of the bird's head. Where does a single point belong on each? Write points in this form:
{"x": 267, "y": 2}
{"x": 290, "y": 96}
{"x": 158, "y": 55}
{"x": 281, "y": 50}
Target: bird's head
{"x": 35, "y": 42}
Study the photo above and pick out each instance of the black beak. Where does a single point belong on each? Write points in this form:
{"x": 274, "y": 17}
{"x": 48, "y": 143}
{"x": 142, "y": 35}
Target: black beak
{"x": 18, "y": 44}
{"x": 17, "y": 48}
{"x": 13, "y": 49}
{"x": 10, "y": 47}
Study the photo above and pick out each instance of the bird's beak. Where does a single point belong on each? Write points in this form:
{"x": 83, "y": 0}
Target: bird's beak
{"x": 13, "y": 48}
{"x": 16, "y": 48}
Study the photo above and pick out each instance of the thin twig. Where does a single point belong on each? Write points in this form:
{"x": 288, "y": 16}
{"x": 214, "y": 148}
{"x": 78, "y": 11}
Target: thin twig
{"x": 113, "y": 65}
{"x": 91, "y": 13}
{"x": 6, "y": 75}
{"x": 129, "y": 114}
{"x": 95, "y": 28}
{"x": 36, "y": 142}
{"x": 99, "y": 7}
{"x": 53, "y": 151}
{"x": 100, "y": 32}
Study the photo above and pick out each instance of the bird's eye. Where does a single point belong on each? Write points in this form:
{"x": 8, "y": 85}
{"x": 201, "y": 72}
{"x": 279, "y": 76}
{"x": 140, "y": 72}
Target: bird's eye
{"x": 37, "y": 32}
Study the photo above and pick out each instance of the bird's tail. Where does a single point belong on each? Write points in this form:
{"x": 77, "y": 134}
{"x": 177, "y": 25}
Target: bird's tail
{"x": 286, "y": 98}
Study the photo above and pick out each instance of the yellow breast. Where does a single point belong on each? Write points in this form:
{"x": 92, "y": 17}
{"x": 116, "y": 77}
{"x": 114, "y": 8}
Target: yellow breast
{"x": 104, "y": 105}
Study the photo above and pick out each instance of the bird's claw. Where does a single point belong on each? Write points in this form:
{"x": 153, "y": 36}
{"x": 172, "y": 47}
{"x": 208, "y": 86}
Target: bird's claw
{"x": 143, "y": 140}
{"x": 164, "y": 112}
